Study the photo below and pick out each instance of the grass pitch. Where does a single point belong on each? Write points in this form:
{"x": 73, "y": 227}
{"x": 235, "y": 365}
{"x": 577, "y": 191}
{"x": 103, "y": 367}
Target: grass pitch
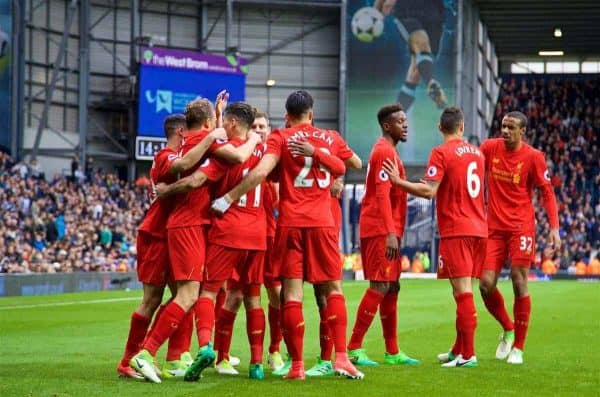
{"x": 69, "y": 345}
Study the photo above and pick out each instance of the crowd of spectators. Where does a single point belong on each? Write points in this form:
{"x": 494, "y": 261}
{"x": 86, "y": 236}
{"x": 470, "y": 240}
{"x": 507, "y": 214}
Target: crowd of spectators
{"x": 564, "y": 123}
{"x": 79, "y": 222}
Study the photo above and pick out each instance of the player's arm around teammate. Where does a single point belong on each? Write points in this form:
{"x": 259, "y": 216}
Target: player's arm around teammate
{"x": 454, "y": 175}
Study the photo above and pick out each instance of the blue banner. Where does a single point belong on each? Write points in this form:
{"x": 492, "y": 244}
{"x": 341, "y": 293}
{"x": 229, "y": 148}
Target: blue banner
{"x": 169, "y": 79}
{"x": 5, "y": 72}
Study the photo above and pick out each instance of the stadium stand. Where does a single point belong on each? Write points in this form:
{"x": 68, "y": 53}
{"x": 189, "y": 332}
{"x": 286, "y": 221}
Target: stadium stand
{"x": 67, "y": 225}
{"x": 564, "y": 123}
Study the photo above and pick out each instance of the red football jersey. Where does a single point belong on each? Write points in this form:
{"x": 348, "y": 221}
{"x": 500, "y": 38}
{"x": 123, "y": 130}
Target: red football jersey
{"x": 271, "y": 204}
{"x": 192, "y": 208}
{"x": 156, "y": 218}
{"x": 342, "y": 150}
{"x": 304, "y": 197}
{"x": 244, "y": 225}
{"x": 511, "y": 177}
{"x": 375, "y": 220}
{"x": 459, "y": 168}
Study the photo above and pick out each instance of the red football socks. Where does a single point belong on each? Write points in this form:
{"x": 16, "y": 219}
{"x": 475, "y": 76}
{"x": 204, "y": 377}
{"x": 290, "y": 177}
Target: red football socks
{"x": 220, "y": 301}
{"x": 522, "y": 311}
{"x": 180, "y": 341}
{"x": 495, "y": 305}
{"x": 224, "y": 333}
{"x": 467, "y": 322}
{"x": 338, "y": 321}
{"x": 167, "y": 323}
{"x": 255, "y": 328}
{"x": 325, "y": 339}
{"x": 367, "y": 309}
{"x": 137, "y": 332}
{"x": 389, "y": 322}
{"x": 274, "y": 329}
{"x": 457, "y": 348}
{"x": 205, "y": 320}
{"x": 293, "y": 327}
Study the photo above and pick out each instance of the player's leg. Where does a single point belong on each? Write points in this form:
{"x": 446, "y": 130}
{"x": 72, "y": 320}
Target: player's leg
{"x": 178, "y": 348}
{"x": 388, "y": 313}
{"x": 420, "y": 46}
{"x": 407, "y": 93}
{"x": 140, "y": 321}
{"x": 496, "y": 255}
{"x": 466, "y": 320}
{"x": 273, "y": 287}
{"x": 293, "y": 325}
{"x": 274, "y": 358}
{"x": 522, "y": 312}
{"x": 171, "y": 317}
{"x": 324, "y": 365}
{"x": 224, "y": 327}
{"x": 255, "y": 329}
{"x": 366, "y": 312}
{"x": 457, "y": 264}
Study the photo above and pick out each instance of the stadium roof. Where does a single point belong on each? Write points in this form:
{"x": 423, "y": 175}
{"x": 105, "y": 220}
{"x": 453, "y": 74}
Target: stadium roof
{"x": 521, "y": 28}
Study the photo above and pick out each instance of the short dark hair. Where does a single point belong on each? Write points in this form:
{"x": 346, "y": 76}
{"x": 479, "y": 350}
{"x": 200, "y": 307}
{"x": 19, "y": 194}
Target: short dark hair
{"x": 172, "y": 122}
{"x": 451, "y": 119}
{"x": 298, "y": 103}
{"x": 243, "y": 112}
{"x": 198, "y": 111}
{"x": 519, "y": 116}
{"x": 259, "y": 113}
{"x": 386, "y": 111}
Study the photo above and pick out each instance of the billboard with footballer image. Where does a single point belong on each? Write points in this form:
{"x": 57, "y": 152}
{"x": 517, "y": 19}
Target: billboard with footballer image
{"x": 400, "y": 51}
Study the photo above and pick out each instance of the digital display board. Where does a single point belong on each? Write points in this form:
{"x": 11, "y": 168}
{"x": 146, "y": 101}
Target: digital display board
{"x": 169, "y": 79}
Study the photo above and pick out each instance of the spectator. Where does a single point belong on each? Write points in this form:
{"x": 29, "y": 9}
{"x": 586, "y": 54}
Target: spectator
{"x": 45, "y": 223}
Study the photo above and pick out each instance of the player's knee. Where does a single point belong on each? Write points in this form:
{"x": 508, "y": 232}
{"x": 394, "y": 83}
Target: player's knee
{"x": 394, "y": 287}
{"x": 419, "y": 41}
{"x": 381, "y": 287}
{"x": 485, "y": 287}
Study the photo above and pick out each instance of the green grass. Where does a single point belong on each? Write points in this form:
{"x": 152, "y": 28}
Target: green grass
{"x": 73, "y": 350}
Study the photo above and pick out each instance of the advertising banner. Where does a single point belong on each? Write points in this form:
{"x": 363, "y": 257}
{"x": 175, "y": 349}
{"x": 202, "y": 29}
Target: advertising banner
{"x": 400, "y": 51}
{"x": 169, "y": 79}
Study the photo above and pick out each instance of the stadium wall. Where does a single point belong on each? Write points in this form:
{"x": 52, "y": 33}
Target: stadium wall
{"x": 291, "y": 44}
{"x": 58, "y": 283}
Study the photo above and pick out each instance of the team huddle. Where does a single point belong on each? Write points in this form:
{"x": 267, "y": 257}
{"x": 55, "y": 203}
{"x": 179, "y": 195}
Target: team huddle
{"x": 211, "y": 236}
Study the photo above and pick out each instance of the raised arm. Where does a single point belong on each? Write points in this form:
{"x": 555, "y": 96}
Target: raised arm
{"x": 354, "y": 162}
{"x": 197, "y": 152}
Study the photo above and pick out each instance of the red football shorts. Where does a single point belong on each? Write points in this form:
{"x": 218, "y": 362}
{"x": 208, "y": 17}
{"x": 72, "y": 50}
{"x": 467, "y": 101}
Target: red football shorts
{"x": 271, "y": 274}
{"x": 239, "y": 265}
{"x": 309, "y": 253}
{"x": 518, "y": 247}
{"x": 187, "y": 252}
{"x": 461, "y": 257}
{"x": 375, "y": 264}
{"x": 152, "y": 259}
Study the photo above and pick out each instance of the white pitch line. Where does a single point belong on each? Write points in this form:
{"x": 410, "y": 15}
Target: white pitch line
{"x": 90, "y": 302}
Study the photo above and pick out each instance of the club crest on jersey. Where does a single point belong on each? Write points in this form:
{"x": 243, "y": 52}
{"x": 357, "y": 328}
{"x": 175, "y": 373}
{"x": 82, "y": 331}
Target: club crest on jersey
{"x": 516, "y": 178}
{"x": 432, "y": 171}
{"x": 383, "y": 175}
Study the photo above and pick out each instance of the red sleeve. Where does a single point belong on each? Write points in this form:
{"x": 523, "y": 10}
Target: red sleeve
{"x": 550, "y": 205}
{"x": 331, "y": 162}
{"x": 274, "y": 143}
{"x": 541, "y": 176}
{"x": 383, "y": 187}
{"x": 162, "y": 163}
{"x": 435, "y": 166}
{"x": 486, "y": 147}
{"x": 213, "y": 169}
{"x": 217, "y": 144}
{"x": 342, "y": 150}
